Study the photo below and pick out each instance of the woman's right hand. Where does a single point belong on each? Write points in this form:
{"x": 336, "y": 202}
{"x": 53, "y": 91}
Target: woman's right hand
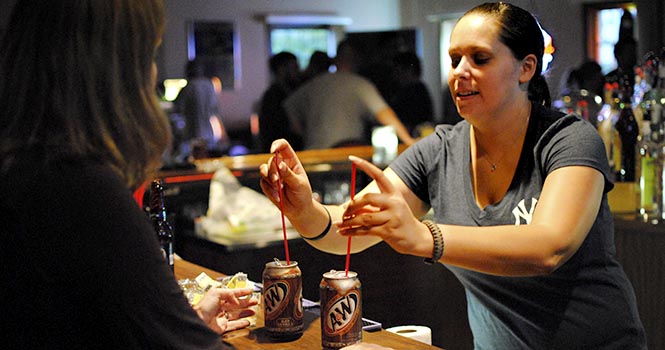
{"x": 296, "y": 188}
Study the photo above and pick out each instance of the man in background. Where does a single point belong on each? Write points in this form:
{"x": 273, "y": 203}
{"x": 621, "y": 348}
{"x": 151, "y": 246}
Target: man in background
{"x": 338, "y": 109}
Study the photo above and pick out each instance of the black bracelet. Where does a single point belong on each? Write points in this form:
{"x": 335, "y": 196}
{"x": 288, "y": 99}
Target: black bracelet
{"x": 439, "y": 244}
{"x": 325, "y": 230}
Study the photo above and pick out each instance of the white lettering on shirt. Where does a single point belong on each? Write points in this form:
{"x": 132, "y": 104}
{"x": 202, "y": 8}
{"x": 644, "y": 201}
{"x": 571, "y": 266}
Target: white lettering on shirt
{"x": 520, "y": 212}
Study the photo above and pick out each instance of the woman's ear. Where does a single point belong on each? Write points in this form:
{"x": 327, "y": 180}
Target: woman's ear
{"x": 528, "y": 69}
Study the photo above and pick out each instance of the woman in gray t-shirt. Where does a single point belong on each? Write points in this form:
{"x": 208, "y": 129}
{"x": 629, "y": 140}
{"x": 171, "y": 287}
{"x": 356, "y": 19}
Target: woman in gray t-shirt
{"x": 519, "y": 200}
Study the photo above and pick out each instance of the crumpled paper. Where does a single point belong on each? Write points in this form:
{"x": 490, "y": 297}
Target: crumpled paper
{"x": 234, "y": 210}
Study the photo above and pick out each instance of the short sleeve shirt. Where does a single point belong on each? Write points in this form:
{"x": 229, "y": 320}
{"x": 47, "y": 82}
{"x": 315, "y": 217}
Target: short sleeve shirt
{"x": 588, "y": 302}
{"x": 333, "y": 108}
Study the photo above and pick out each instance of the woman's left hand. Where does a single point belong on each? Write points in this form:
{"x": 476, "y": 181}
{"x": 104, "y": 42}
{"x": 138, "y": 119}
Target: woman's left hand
{"x": 224, "y": 309}
{"x": 386, "y": 215}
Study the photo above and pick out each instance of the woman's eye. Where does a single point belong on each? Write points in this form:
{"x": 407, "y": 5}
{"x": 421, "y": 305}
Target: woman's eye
{"x": 481, "y": 59}
{"x": 454, "y": 61}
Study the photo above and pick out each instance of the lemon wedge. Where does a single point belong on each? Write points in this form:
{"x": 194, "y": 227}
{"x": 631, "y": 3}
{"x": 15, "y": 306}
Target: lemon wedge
{"x": 239, "y": 280}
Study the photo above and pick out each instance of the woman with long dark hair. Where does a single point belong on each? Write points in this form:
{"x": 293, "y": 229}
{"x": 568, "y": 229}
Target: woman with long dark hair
{"x": 80, "y": 128}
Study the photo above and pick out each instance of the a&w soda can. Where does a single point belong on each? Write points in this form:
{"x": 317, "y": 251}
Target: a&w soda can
{"x": 341, "y": 309}
{"x": 282, "y": 299}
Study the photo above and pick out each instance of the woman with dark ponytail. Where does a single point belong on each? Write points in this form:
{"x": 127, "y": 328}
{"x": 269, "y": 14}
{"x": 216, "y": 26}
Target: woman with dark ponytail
{"x": 521, "y": 33}
{"x": 518, "y": 194}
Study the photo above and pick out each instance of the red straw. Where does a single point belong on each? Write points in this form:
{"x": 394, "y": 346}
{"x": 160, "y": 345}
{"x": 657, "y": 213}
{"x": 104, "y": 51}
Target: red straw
{"x": 348, "y": 243}
{"x": 281, "y": 209}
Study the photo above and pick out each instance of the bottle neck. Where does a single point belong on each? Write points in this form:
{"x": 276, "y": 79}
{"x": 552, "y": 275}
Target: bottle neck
{"x": 157, "y": 207}
{"x": 159, "y": 215}
{"x": 646, "y": 130}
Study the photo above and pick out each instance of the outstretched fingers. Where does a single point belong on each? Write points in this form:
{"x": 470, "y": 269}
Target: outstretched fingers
{"x": 367, "y": 213}
{"x": 375, "y": 173}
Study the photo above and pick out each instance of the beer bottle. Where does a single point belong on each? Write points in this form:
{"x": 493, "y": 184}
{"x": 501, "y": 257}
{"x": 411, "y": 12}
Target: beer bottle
{"x": 628, "y": 132}
{"x": 159, "y": 223}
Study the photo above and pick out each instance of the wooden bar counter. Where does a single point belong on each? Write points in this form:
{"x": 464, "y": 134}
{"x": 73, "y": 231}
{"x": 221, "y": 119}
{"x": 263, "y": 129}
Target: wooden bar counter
{"x": 398, "y": 289}
{"x": 255, "y": 337}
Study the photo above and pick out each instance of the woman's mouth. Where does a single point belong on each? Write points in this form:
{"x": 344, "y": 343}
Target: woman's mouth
{"x": 466, "y": 93}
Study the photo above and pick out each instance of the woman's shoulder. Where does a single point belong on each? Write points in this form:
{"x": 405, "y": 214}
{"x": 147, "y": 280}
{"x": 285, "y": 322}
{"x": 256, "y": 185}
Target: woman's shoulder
{"x": 446, "y": 138}
{"x": 452, "y": 131}
{"x": 32, "y": 172}
{"x": 549, "y": 122}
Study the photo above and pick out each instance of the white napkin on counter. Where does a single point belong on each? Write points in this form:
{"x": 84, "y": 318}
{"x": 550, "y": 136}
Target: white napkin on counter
{"x": 234, "y": 209}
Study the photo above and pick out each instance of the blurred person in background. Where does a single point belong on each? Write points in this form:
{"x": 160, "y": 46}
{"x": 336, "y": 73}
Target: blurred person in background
{"x": 411, "y": 99}
{"x": 273, "y": 122}
{"x": 198, "y": 103}
{"x": 584, "y": 91}
{"x": 80, "y": 129}
{"x": 337, "y": 109}
{"x": 319, "y": 63}
{"x": 625, "y": 52}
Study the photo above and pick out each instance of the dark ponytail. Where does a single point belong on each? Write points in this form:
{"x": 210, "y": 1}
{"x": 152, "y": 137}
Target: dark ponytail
{"x": 539, "y": 91}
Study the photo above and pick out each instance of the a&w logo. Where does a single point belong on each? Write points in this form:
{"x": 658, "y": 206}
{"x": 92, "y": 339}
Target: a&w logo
{"x": 342, "y": 313}
{"x": 274, "y": 298}
{"x": 520, "y": 212}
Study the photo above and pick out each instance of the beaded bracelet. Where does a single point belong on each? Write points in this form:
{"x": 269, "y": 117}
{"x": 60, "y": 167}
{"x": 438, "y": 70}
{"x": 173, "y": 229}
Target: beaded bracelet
{"x": 325, "y": 230}
{"x": 439, "y": 244}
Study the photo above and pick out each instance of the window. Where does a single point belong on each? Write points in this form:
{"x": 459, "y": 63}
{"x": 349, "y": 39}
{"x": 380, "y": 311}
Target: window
{"x": 304, "y": 34}
{"x": 302, "y": 42}
{"x": 603, "y": 22}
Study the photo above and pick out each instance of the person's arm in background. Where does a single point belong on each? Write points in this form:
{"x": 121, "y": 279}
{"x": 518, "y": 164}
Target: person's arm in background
{"x": 387, "y": 116}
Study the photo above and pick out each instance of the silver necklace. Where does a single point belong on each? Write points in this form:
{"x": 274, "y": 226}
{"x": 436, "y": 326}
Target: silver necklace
{"x": 492, "y": 165}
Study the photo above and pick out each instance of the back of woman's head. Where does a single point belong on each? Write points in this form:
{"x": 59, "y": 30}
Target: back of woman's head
{"x": 521, "y": 33}
{"x": 77, "y": 82}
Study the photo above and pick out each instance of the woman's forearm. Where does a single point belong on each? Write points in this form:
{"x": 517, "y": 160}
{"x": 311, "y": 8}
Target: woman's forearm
{"x": 316, "y": 225}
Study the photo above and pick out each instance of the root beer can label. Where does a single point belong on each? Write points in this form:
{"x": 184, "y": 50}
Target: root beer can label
{"x": 341, "y": 313}
{"x": 282, "y": 299}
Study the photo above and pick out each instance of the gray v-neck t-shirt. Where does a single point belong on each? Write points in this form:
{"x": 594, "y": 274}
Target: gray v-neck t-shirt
{"x": 588, "y": 302}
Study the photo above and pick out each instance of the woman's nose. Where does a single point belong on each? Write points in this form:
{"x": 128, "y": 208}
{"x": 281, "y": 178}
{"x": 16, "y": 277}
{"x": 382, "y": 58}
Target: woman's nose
{"x": 462, "y": 68}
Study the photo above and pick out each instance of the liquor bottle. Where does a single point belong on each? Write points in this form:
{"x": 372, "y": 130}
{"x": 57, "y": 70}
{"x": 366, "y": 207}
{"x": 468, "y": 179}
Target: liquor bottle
{"x": 159, "y": 222}
{"x": 607, "y": 117}
{"x": 628, "y": 132}
{"x": 648, "y": 173}
{"x": 661, "y": 178}
{"x": 657, "y": 99}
